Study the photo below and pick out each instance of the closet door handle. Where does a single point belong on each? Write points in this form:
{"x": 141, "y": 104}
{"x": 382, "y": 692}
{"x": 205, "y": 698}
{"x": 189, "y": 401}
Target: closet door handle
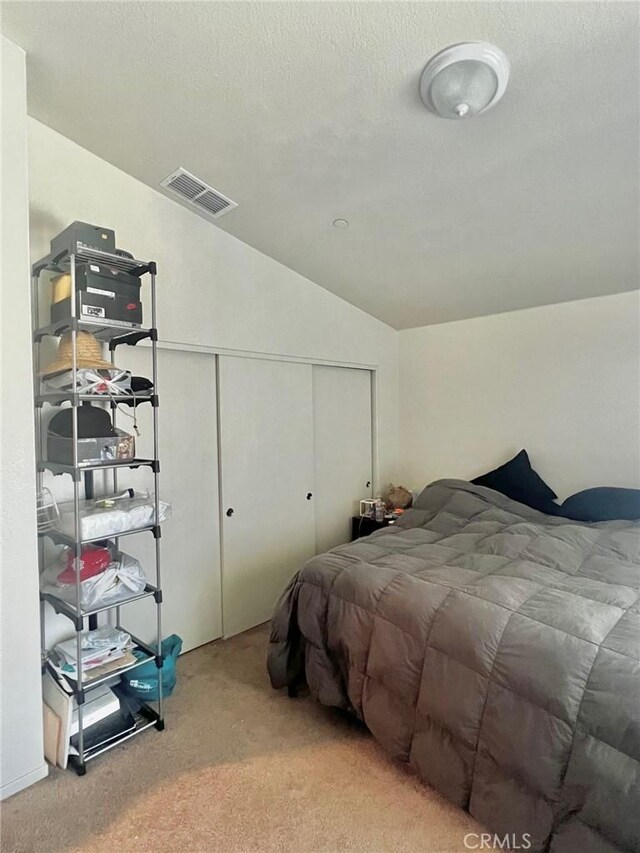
{"x": 368, "y": 484}
{"x": 230, "y": 512}
{"x": 309, "y": 496}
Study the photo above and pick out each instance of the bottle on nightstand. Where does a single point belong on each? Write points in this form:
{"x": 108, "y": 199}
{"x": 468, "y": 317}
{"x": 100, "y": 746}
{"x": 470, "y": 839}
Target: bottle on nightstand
{"x": 378, "y": 512}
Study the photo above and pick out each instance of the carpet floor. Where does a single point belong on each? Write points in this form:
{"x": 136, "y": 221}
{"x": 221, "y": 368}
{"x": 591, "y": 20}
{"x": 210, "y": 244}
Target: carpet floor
{"x": 240, "y": 768}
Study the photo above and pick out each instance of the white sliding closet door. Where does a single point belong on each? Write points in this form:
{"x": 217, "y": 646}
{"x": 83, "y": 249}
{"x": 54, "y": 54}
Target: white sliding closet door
{"x": 267, "y": 489}
{"x": 342, "y": 450}
{"x": 189, "y": 481}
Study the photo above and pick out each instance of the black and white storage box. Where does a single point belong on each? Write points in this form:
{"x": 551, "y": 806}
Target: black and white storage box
{"x": 103, "y": 294}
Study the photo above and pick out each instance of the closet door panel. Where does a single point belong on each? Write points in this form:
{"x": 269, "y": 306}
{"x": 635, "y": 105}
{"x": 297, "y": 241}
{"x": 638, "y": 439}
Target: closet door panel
{"x": 190, "y": 546}
{"x": 266, "y": 466}
{"x": 342, "y": 450}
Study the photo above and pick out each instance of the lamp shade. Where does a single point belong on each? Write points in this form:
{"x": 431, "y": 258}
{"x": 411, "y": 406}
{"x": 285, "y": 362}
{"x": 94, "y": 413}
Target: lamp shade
{"x": 464, "y": 80}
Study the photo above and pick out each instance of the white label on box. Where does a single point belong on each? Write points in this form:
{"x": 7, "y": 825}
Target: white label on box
{"x": 93, "y": 311}
{"x": 97, "y": 290}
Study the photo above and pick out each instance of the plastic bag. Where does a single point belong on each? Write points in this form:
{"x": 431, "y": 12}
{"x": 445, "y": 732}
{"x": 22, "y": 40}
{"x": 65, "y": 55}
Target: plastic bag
{"x": 105, "y": 638}
{"x": 98, "y": 522}
{"x": 142, "y": 682}
{"x": 122, "y": 579}
{"x": 90, "y": 380}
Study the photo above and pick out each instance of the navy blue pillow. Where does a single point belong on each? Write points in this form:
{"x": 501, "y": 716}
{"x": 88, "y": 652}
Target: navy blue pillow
{"x": 602, "y": 504}
{"x": 517, "y": 480}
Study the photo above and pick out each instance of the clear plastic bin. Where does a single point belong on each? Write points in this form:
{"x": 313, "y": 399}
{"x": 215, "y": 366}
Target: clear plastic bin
{"x": 110, "y": 448}
{"x": 99, "y": 522}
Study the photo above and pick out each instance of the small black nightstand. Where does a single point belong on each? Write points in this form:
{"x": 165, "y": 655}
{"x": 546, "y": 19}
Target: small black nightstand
{"x": 365, "y": 525}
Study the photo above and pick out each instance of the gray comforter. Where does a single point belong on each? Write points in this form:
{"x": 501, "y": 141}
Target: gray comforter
{"x": 494, "y": 648}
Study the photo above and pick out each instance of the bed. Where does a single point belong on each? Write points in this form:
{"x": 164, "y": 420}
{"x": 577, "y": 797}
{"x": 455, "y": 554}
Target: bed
{"x": 494, "y": 648}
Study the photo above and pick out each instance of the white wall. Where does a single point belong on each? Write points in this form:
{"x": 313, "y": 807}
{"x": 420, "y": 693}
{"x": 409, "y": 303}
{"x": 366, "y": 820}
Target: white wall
{"x": 21, "y": 758}
{"x": 562, "y": 381}
{"x": 213, "y": 290}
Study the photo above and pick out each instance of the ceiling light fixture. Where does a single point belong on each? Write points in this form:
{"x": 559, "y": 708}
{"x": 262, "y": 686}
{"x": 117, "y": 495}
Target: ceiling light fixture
{"x": 340, "y": 223}
{"x": 464, "y": 80}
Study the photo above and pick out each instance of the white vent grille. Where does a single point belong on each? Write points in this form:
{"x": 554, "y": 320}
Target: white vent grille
{"x": 212, "y": 202}
{"x": 197, "y": 194}
{"x": 186, "y": 185}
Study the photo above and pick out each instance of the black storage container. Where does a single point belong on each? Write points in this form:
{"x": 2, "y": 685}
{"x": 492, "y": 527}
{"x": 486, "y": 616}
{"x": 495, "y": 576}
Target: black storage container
{"x": 98, "y": 277}
{"x": 116, "y": 311}
{"x": 81, "y": 235}
{"x": 103, "y": 294}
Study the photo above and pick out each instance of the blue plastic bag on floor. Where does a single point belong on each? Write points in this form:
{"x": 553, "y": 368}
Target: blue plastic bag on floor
{"x": 142, "y": 682}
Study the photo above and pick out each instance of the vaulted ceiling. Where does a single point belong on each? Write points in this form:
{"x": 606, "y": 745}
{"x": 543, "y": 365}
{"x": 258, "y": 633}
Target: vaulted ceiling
{"x": 304, "y": 112}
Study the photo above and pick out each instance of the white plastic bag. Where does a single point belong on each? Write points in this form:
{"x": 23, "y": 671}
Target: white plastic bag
{"x": 121, "y": 579}
{"x": 98, "y": 522}
{"x": 90, "y": 380}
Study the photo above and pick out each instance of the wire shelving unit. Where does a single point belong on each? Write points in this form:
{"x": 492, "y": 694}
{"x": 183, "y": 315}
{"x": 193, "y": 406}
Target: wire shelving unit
{"x": 115, "y": 335}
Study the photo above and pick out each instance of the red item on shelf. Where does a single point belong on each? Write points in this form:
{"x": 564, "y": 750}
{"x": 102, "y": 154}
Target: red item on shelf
{"x": 93, "y": 559}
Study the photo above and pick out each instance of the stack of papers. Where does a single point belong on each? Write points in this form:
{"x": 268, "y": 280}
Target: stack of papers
{"x": 106, "y": 648}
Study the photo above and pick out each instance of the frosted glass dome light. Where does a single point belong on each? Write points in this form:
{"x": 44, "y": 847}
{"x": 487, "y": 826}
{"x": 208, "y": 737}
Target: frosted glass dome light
{"x": 464, "y": 80}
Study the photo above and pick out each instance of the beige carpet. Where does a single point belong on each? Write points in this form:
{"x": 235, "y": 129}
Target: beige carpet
{"x": 238, "y": 768}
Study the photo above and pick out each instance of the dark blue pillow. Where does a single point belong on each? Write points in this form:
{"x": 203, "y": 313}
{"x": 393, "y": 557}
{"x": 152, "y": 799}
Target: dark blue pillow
{"x": 517, "y": 480}
{"x": 602, "y": 504}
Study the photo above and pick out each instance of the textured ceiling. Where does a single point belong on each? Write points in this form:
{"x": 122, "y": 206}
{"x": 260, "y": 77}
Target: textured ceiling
{"x": 304, "y": 112}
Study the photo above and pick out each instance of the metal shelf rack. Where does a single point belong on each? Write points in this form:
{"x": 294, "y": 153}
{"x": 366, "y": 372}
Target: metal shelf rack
{"x": 57, "y": 397}
{"x": 76, "y": 470}
{"x": 115, "y": 335}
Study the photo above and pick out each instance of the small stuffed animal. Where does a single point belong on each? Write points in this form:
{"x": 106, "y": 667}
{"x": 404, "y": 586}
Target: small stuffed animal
{"x": 398, "y": 497}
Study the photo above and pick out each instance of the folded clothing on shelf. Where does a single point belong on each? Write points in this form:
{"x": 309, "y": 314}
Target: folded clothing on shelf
{"x": 122, "y": 578}
{"x": 98, "y": 521}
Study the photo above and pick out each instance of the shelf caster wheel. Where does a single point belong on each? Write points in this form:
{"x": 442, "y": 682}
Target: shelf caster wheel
{"x": 81, "y": 770}
{"x": 160, "y": 725}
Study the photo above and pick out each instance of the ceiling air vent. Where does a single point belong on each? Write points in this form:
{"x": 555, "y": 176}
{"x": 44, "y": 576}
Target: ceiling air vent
{"x": 197, "y": 194}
